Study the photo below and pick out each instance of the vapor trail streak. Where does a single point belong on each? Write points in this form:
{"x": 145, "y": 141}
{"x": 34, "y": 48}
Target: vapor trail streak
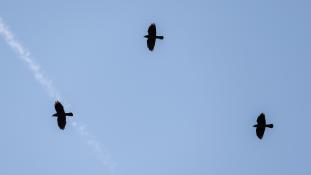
{"x": 24, "y": 55}
{"x": 46, "y": 83}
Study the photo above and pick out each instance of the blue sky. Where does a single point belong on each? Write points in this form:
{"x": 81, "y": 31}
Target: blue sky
{"x": 186, "y": 108}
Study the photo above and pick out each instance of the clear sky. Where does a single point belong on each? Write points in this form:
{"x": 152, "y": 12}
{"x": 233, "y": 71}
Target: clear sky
{"x": 185, "y": 109}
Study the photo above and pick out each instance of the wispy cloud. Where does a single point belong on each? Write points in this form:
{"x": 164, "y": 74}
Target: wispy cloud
{"x": 46, "y": 83}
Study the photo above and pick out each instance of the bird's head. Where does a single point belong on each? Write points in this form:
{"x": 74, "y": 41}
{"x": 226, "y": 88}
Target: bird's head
{"x": 146, "y": 36}
{"x": 255, "y": 125}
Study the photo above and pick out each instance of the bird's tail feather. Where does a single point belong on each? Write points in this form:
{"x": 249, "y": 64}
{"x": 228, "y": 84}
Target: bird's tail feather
{"x": 160, "y": 37}
{"x": 270, "y": 126}
{"x": 69, "y": 114}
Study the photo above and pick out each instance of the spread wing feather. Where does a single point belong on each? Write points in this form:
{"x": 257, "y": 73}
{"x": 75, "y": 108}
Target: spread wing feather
{"x": 261, "y": 120}
{"x": 59, "y": 107}
{"x": 152, "y": 31}
{"x": 151, "y": 43}
{"x": 61, "y": 121}
{"x": 260, "y": 131}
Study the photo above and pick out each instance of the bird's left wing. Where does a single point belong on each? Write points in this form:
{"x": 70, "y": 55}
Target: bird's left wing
{"x": 261, "y": 119}
{"x": 152, "y": 30}
{"x": 59, "y": 107}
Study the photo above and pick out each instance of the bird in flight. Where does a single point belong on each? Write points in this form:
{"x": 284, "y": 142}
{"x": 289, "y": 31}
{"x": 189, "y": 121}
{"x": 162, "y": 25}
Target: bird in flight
{"x": 261, "y": 125}
{"x": 152, "y": 36}
{"x": 61, "y": 115}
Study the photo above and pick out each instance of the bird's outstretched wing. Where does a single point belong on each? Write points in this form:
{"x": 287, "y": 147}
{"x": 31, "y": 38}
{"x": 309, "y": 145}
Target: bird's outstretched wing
{"x": 260, "y": 130}
{"x": 59, "y": 107}
{"x": 151, "y": 43}
{"x": 152, "y": 31}
{"x": 261, "y": 120}
{"x": 61, "y": 121}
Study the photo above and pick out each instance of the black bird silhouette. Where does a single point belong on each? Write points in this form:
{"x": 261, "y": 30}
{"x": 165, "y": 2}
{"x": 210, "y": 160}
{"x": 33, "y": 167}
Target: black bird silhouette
{"x": 152, "y": 36}
{"x": 61, "y": 115}
{"x": 261, "y": 125}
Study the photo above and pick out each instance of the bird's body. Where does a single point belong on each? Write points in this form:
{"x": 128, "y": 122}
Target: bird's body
{"x": 261, "y": 125}
{"x": 61, "y": 115}
{"x": 152, "y": 36}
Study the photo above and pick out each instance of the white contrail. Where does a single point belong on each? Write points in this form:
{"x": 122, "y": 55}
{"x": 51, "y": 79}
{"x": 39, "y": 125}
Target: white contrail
{"x": 23, "y": 53}
{"x": 102, "y": 155}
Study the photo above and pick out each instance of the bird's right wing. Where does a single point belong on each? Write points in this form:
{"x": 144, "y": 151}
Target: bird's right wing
{"x": 261, "y": 119}
{"x": 59, "y": 107}
{"x": 260, "y": 131}
{"x": 151, "y": 43}
{"x": 152, "y": 30}
{"x": 61, "y": 121}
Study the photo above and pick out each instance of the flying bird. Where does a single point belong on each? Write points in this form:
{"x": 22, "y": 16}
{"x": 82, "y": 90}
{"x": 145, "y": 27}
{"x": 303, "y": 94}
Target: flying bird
{"x": 152, "y": 36}
{"x": 61, "y": 115}
{"x": 261, "y": 125}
